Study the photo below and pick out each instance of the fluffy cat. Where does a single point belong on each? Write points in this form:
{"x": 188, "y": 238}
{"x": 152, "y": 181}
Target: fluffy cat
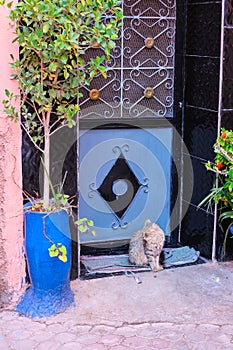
{"x": 146, "y": 245}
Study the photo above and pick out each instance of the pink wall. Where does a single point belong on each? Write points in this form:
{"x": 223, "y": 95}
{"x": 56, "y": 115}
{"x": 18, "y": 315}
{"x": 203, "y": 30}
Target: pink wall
{"x": 12, "y": 266}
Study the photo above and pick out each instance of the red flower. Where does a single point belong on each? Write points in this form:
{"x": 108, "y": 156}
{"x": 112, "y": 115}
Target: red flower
{"x": 224, "y": 135}
{"x": 220, "y": 166}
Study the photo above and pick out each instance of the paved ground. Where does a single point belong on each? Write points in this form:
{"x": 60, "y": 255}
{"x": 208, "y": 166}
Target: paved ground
{"x": 184, "y": 308}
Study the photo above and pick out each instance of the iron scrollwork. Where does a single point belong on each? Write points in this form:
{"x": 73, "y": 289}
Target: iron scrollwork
{"x": 93, "y": 190}
{"x": 121, "y": 149}
{"x": 144, "y": 56}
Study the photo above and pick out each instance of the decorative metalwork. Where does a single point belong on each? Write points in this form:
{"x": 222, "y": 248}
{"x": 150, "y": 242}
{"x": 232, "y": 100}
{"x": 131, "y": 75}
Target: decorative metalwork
{"x": 145, "y": 185}
{"x": 132, "y": 67}
{"x": 94, "y": 94}
{"x": 120, "y": 171}
{"x": 149, "y": 42}
{"x": 121, "y": 149}
{"x": 119, "y": 187}
{"x": 149, "y": 92}
{"x": 92, "y": 191}
{"x": 119, "y": 223}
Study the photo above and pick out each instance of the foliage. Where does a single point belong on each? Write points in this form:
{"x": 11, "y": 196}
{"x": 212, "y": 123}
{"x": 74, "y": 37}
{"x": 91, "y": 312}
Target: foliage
{"x": 222, "y": 190}
{"x": 53, "y": 36}
{"x": 59, "y": 250}
{"x": 84, "y": 224}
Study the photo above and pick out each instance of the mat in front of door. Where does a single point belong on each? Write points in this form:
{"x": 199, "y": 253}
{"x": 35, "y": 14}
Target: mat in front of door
{"x": 110, "y": 264}
{"x": 107, "y": 264}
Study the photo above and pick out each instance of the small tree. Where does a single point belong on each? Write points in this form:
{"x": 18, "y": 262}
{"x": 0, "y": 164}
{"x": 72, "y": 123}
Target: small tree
{"x": 53, "y": 36}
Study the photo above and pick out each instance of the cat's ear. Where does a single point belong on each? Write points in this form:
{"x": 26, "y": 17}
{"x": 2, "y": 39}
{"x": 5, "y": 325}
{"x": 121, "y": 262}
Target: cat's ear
{"x": 145, "y": 235}
{"x": 147, "y": 222}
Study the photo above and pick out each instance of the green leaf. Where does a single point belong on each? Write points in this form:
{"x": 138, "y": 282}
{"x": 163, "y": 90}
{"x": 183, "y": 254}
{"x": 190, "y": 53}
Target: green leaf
{"x": 90, "y": 222}
{"x": 62, "y": 249}
{"x": 7, "y": 93}
{"x": 52, "y": 94}
{"x": 46, "y": 27}
{"x": 53, "y": 66}
{"x": 64, "y": 201}
{"x": 9, "y": 5}
{"x": 83, "y": 228}
{"x": 53, "y": 251}
{"x": 226, "y": 215}
{"x": 66, "y": 74}
{"x": 208, "y": 165}
{"x": 81, "y": 61}
{"x": 62, "y": 258}
{"x": 64, "y": 59}
{"x": 80, "y": 221}
{"x": 92, "y": 74}
{"x": 103, "y": 72}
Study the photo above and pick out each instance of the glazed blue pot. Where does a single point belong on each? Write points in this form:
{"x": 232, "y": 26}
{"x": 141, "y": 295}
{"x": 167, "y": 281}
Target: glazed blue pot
{"x": 231, "y": 229}
{"x": 46, "y": 272}
{"x": 50, "y": 291}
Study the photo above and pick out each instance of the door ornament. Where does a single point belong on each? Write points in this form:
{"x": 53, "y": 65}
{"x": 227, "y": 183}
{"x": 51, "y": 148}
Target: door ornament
{"x": 149, "y": 92}
{"x": 120, "y": 187}
{"x": 149, "y": 43}
{"x": 94, "y": 94}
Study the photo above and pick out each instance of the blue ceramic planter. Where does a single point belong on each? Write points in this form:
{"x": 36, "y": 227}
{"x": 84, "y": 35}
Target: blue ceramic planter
{"x": 50, "y": 291}
{"x": 231, "y": 229}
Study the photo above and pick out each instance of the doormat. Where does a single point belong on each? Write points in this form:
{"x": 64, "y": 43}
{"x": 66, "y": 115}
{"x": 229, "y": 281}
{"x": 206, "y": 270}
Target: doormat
{"x": 179, "y": 256}
{"x": 120, "y": 263}
{"x": 110, "y": 263}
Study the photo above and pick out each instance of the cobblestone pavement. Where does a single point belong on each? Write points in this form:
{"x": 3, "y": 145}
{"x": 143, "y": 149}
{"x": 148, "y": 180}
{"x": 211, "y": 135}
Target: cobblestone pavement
{"x": 183, "y": 308}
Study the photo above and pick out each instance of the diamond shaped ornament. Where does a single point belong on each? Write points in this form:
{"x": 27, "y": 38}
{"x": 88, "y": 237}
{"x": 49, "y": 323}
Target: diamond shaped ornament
{"x": 119, "y": 187}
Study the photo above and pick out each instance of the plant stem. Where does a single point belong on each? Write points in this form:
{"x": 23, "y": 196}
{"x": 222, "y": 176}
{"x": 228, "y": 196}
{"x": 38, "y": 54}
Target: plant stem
{"x": 46, "y": 160}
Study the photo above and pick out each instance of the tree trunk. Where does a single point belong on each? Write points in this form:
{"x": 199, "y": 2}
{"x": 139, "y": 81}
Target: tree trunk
{"x": 46, "y": 191}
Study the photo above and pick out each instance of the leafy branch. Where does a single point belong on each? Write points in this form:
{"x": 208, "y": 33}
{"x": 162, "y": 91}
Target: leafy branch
{"x": 53, "y": 36}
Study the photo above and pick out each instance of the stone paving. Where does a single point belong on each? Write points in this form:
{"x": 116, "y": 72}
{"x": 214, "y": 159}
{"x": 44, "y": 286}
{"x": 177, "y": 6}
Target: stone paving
{"x": 184, "y": 308}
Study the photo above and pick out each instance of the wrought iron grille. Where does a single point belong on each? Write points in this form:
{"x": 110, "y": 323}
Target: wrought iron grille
{"x": 140, "y": 72}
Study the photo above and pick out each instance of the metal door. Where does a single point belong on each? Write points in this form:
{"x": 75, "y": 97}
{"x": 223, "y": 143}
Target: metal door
{"x": 125, "y": 171}
{"x": 125, "y": 178}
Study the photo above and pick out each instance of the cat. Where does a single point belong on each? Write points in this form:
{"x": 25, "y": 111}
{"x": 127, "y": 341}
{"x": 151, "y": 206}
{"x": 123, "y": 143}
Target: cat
{"x": 146, "y": 245}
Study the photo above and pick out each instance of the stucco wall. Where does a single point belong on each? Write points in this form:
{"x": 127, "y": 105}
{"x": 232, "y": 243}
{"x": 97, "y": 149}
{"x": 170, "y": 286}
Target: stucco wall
{"x": 12, "y": 265}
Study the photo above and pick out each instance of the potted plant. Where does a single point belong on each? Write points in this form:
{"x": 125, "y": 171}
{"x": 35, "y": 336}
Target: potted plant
{"x": 222, "y": 190}
{"x": 53, "y": 36}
